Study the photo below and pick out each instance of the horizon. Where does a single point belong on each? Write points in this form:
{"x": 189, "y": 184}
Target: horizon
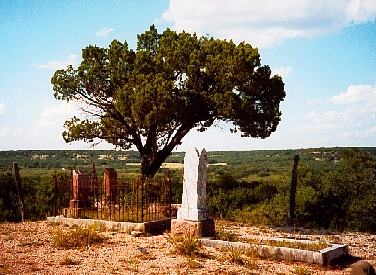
{"x": 132, "y": 150}
{"x": 325, "y": 53}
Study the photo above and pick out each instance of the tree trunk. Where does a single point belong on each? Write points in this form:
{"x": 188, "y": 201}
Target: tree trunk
{"x": 294, "y": 183}
{"x": 151, "y": 158}
{"x": 151, "y": 164}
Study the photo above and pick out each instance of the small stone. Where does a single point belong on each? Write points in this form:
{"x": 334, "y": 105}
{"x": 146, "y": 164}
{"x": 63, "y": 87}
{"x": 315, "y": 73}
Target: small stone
{"x": 142, "y": 249}
{"x": 362, "y": 268}
{"x": 136, "y": 233}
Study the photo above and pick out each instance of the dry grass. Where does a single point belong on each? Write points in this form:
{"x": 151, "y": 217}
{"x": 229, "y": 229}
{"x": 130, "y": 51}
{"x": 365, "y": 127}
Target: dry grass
{"x": 124, "y": 254}
{"x": 311, "y": 246}
{"x": 302, "y": 271}
{"x": 4, "y": 269}
{"x": 187, "y": 245}
{"x": 246, "y": 258}
{"x": 132, "y": 264}
{"x": 77, "y": 237}
{"x": 193, "y": 263}
{"x": 172, "y": 165}
{"x": 222, "y": 234}
{"x": 97, "y": 226}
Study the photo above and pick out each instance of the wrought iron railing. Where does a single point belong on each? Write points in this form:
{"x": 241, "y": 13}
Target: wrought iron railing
{"x": 138, "y": 200}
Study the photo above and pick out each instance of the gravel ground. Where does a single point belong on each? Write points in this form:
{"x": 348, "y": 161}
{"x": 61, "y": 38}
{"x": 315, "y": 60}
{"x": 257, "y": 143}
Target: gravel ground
{"x": 27, "y": 248}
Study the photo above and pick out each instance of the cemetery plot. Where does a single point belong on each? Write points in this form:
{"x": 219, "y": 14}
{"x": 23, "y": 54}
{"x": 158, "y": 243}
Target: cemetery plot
{"x": 139, "y": 200}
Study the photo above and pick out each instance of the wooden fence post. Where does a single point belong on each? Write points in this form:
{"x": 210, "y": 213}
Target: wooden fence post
{"x": 17, "y": 181}
{"x": 294, "y": 183}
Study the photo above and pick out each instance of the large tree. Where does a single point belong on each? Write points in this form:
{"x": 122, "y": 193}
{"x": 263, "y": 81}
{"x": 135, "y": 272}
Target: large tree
{"x": 174, "y": 82}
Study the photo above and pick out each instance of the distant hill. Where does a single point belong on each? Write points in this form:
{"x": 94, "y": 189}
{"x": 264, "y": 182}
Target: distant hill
{"x": 57, "y": 159}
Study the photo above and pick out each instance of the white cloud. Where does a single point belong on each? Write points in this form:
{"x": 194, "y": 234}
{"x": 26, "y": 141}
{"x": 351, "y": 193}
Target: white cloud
{"x": 356, "y": 94}
{"x": 371, "y": 131}
{"x": 353, "y": 110}
{"x": 55, "y": 115}
{"x": 267, "y": 23}
{"x": 284, "y": 72}
{"x": 59, "y": 64}
{"x": 2, "y": 108}
{"x": 104, "y": 32}
{"x": 4, "y": 131}
{"x": 360, "y": 11}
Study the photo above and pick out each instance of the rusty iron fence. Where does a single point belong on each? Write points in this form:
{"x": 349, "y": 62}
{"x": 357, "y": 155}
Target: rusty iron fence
{"x": 138, "y": 200}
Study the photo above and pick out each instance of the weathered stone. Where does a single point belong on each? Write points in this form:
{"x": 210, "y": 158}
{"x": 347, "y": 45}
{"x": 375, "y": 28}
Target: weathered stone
{"x": 362, "y": 268}
{"x": 192, "y": 217}
{"x": 204, "y": 228}
{"x": 80, "y": 191}
{"x": 146, "y": 227}
{"x": 137, "y": 233}
{"x": 109, "y": 185}
{"x": 323, "y": 257}
{"x": 193, "y": 206}
{"x": 80, "y": 185}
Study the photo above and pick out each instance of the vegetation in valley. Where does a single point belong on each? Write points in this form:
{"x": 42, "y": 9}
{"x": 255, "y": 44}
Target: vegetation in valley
{"x": 336, "y": 186}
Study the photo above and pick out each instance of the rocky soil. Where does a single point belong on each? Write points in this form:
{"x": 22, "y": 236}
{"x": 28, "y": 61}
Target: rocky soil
{"x": 27, "y": 248}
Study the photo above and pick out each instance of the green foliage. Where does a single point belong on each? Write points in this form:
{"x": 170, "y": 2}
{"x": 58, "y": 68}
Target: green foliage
{"x": 346, "y": 198}
{"x": 336, "y": 186}
{"x": 8, "y": 199}
{"x": 173, "y": 82}
{"x": 38, "y": 190}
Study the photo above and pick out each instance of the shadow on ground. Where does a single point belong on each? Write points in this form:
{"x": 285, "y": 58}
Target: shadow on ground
{"x": 344, "y": 261}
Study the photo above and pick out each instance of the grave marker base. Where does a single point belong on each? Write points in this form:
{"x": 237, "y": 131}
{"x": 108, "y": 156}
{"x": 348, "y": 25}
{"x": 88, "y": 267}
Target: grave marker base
{"x": 203, "y": 228}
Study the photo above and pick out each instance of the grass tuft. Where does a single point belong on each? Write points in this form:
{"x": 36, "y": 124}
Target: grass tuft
{"x": 302, "y": 271}
{"x": 77, "y": 237}
{"x": 236, "y": 256}
{"x": 97, "y": 226}
{"x": 187, "y": 245}
{"x": 247, "y": 258}
{"x": 222, "y": 234}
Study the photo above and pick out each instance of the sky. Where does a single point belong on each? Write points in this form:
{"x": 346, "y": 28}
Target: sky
{"x": 325, "y": 52}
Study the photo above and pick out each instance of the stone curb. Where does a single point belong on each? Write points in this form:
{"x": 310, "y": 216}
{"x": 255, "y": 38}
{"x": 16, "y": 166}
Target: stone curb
{"x": 323, "y": 257}
{"x": 145, "y": 227}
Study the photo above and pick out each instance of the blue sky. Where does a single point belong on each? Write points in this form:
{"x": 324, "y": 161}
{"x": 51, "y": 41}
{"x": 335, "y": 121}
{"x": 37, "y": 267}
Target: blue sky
{"x": 324, "y": 50}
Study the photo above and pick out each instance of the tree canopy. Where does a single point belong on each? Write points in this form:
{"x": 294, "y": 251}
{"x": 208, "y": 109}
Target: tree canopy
{"x": 173, "y": 82}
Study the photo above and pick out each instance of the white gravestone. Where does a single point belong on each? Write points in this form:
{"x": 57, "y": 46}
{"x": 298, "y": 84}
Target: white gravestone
{"x": 193, "y": 206}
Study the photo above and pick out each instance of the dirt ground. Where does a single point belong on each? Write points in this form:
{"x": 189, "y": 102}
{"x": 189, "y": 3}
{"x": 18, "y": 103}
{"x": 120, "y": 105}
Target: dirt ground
{"x": 27, "y": 248}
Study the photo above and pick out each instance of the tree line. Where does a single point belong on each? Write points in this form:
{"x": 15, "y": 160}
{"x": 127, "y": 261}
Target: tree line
{"x": 341, "y": 196}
